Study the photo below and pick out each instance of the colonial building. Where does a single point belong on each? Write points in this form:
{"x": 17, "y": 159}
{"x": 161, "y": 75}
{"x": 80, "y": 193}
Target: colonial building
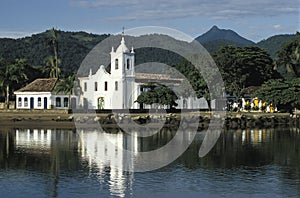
{"x": 119, "y": 88}
{"x": 114, "y": 90}
{"x": 40, "y": 94}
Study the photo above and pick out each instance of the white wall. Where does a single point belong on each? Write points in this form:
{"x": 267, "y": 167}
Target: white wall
{"x": 50, "y": 103}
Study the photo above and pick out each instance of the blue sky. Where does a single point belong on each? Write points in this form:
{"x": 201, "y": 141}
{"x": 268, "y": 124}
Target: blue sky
{"x": 252, "y": 19}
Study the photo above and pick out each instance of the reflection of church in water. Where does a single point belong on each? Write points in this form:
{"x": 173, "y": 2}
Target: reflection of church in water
{"x": 102, "y": 151}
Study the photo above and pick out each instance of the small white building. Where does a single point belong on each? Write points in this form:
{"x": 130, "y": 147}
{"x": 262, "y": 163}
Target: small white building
{"x": 40, "y": 94}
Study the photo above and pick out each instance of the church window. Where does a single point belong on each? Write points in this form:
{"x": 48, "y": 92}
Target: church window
{"x": 128, "y": 63}
{"x": 25, "y": 102}
{"x": 96, "y": 86}
{"x": 105, "y": 86}
{"x": 66, "y": 101}
{"x": 39, "y": 102}
{"x": 19, "y": 101}
{"x": 117, "y": 63}
{"x": 85, "y": 86}
{"x": 58, "y": 102}
{"x": 116, "y": 85}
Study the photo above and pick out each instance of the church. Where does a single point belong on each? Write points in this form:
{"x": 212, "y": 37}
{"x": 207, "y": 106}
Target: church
{"x": 120, "y": 88}
{"x": 114, "y": 90}
{"x": 117, "y": 89}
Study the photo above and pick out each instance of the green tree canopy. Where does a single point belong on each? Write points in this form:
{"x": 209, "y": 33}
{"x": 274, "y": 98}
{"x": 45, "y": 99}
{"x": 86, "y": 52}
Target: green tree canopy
{"x": 12, "y": 75}
{"x": 288, "y": 62}
{"x": 157, "y": 94}
{"x": 284, "y": 94}
{"x": 243, "y": 67}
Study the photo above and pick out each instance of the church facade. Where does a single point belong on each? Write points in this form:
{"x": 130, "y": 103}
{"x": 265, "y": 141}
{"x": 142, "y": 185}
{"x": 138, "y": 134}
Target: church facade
{"x": 114, "y": 90}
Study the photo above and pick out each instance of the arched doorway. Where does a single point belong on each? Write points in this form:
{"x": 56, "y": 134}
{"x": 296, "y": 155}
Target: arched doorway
{"x": 45, "y": 103}
{"x": 101, "y": 103}
{"x": 31, "y": 103}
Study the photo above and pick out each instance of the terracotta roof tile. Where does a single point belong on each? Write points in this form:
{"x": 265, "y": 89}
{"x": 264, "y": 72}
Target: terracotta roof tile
{"x": 40, "y": 85}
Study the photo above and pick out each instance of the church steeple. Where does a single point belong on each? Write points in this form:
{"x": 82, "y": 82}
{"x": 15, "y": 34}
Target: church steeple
{"x": 122, "y": 60}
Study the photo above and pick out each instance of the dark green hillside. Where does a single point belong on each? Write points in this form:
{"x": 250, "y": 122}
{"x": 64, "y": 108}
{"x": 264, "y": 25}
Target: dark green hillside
{"x": 72, "y": 48}
{"x": 213, "y": 46}
{"x": 274, "y": 43}
{"x": 216, "y": 38}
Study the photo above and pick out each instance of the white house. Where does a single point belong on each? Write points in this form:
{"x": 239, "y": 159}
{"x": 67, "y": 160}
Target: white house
{"x": 40, "y": 94}
{"x": 119, "y": 88}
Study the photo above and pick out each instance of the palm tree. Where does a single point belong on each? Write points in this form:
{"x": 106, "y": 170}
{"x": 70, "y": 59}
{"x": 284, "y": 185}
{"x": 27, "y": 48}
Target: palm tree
{"x": 10, "y": 74}
{"x": 53, "y": 62}
{"x": 50, "y": 67}
{"x": 66, "y": 86}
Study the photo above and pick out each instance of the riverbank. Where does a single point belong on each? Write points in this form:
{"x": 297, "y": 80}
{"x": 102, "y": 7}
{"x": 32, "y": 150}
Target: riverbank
{"x": 64, "y": 119}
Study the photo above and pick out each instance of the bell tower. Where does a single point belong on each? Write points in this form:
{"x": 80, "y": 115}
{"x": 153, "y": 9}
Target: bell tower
{"x": 123, "y": 75}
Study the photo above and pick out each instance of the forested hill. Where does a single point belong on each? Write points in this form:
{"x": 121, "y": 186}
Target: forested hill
{"x": 221, "y": 34}
{"x": 215, "y": 38}
{"x": 72, "y": 48}
{"x": 274, "y": 43}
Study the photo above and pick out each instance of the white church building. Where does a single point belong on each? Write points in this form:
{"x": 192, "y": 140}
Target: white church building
{"x": 117, "y": 89}
{"x": 114, "y": 90}
{"x": 120, "y": 88}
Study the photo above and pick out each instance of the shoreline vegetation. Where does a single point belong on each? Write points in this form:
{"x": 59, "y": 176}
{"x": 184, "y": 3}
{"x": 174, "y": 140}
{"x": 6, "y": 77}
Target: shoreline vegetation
{"x": 67, "y": 119}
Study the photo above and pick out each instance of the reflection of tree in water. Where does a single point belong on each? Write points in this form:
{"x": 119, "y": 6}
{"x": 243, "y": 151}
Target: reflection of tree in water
{"x": 277, "y": 147}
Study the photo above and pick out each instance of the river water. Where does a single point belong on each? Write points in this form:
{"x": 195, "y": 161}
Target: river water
{"x": 79, "y": 163}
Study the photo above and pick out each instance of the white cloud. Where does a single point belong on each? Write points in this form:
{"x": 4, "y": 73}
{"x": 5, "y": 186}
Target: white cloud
{"x": 277, "y": 27}
{"x": 215, "y": 9}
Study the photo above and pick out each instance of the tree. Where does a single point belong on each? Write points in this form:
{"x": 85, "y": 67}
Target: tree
{"x": 157, "y": 94}
{"x": 285, "y": 94}
{"x": 11, "y": 73}
{"x": 243, "y": 67}
{"x": 66, "y": 86}
{"x": 288, "y": 61}
{"x": 50, "y": 67}
{"x": 53, "y": 62}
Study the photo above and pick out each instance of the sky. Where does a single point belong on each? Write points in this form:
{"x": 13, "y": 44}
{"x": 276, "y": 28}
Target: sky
{"x": 252, "y": 19}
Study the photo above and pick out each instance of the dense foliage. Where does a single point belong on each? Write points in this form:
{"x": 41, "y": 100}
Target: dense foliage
{"x": 242, "y": 67}
{"x": 157, "y": 94}
{"x": 284, "y": 94}
{"x": 72, "y": 48}
{"x": 288, "y": 61}
{"x": 273, "y": 44}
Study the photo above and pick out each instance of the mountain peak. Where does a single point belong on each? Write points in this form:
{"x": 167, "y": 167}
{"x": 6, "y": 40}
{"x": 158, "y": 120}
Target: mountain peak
{"x": 214, "y": 28}
{"x": 216, "y": 33}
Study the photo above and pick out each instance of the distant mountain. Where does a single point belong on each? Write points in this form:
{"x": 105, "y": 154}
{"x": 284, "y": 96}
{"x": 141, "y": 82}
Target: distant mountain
{"x": 221, "y": 37}
{"x": 274, "y": 43}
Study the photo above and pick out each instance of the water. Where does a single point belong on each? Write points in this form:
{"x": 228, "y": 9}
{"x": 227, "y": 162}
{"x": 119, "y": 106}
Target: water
{"x": 79, "y": 163}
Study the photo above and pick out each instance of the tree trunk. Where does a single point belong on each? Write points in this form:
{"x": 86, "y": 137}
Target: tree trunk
{"x": 7, "y": 97}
